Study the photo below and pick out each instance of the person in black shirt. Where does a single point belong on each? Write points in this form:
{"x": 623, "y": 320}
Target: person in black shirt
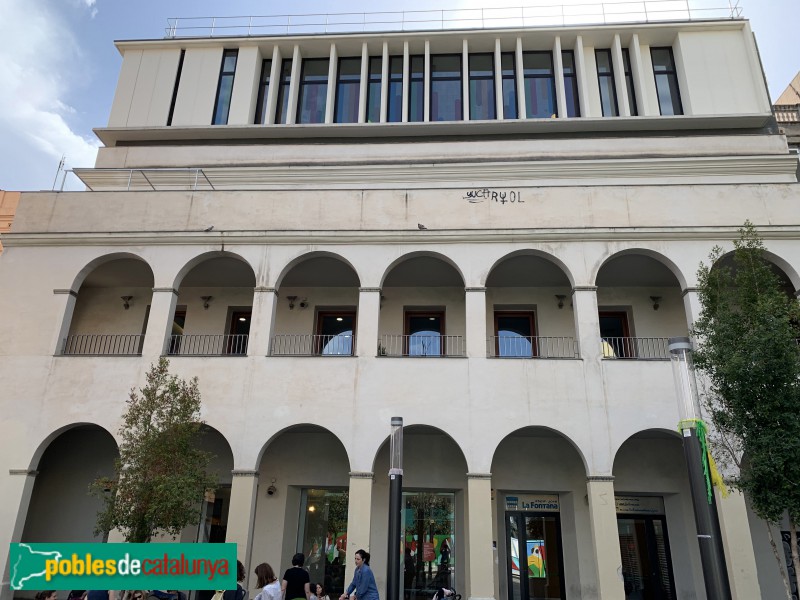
{"x": 296, "y": 584}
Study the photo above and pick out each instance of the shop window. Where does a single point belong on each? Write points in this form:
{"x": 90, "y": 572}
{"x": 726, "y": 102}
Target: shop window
{"x": 446, "y": 89}
{"x": 428, "y": 523}
{"x": 570, "y": 83}
{"x": 416, "y": 89}
{"x": 615, "y": 333}
{"x": 335, "y": 333}
{"x": 374, "y": 88}
{"x": 423, "y": 333}
{"x": 481, "y": 87}
{"x": 263, "y": 91}
{"x": 394, "y": 108}
{"x": 313, "y": 93}
{"x": 222, "y": 104}
{"x": 540, "y": 85}
{"x": 535, "y": 561}
{"x": 605, "y": 79}
{"x": 669, "y": 97}
{"x": 348, "y": 84}
{"x": 282, "y": 104}
{"x": 626, "y": 65}
{"x": 515, "y": 334}
{"x": 322, "y": 536}
{"x": 509, "y": 75}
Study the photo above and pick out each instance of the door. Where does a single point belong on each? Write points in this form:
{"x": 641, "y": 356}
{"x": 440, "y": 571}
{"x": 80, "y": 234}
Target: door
{"x": 424, "y": 331}
{"x": 646, "y": 562}
{"x": 239, "y": 331}
{"x": 533, "y": 542}
{"x": 514, "y": 334}
{"x": 335, "y": 333}
{"x": 615, "y": 332}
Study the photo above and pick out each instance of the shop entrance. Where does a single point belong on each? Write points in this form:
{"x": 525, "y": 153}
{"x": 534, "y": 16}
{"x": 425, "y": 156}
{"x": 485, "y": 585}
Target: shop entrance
{"x": 535, "y": 563}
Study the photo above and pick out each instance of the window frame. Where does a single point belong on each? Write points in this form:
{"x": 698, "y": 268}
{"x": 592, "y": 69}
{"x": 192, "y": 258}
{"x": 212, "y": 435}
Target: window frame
{"x": 312, "y": 88}
{"x": 174, "y": 100}
{"x": 571, "y": 79}
{"x": 551, "y": 78}
{"x": 423, "y": 312}
{"x": 263, "y": 92}
{"x": 492, "y": 95}
{"x": 434, "y": 79}
{"x": 605, "y": 80}
{"x": 282, "y": 97}
{"x": 512, "y": 78}
{"x": 372, "y": 96}
{"x": 528, "y": 314}
{"x": 216, "y": 119}
{"x": 671, "y": 74}
{"x": 629, "y": 85}
{"x": 321, "y": 313}
{"x": 416, "y": 85}
{"x": 349, "y": 83}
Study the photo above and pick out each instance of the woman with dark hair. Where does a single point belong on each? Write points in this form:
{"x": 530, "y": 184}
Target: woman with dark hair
{"x": 363, "y": 580}
{"x": 320, "y": 592}
{"x": 268, "y": 584}
{"x": 239, "y": 593}
{"x": 296, "y": 584}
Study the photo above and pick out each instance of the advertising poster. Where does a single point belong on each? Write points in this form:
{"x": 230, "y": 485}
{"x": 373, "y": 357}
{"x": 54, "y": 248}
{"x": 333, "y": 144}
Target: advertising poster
{"x": 537, "y": 564}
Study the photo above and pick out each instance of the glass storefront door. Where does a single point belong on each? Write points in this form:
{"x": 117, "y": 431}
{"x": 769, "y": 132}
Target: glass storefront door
{"x": 429, "y": 561}
{"x": 533, "y": 542}
{"x": 322, "y": 537}
{"x": 646, "y": 563}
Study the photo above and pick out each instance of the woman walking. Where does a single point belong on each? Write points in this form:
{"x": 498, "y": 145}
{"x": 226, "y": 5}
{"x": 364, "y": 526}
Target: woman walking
{"x": 363, "y": 580}
{"x": 268, "y": 583}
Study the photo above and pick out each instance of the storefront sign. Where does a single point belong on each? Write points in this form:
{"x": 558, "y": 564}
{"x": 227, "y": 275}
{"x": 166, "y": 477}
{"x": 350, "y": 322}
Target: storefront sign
{"x": 533, "y": 502}
{"x": 640, "y": 505}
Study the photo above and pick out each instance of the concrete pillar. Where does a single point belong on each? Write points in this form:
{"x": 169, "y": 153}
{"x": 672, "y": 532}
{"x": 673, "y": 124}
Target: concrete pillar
{"x": 587, "y": 322}
{"x": 159, "y": 323}
{"x": 498, "y": 80}
{"x": 738, "y": 545}
{"x": 465, "y": 80}
{"x": 480, "y": 551}
{"x": 66, "y": 307}
{"x": 369, "y": 310}
{"x": 605, "y": 536}
{"x": 241, "y": 513}
{"x": 619, "y": 77}
{"x": 580, "y": 73}
{"x": 261, "y": 321}
{"x": 522, "y": 111}
{"x": 17, "y": 493}
{"x": 359, "y": 516}
{"x": 558, "y": 71}
{"x": 245, "y": 86}
{"x": 475, "y": 310}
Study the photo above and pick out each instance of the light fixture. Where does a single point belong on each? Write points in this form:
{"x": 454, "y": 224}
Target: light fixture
{"x": 304, "y": 303}
{"x": 243, "y": 318}
{"x": 272, "y": 490}
{"x": 291, "y": 300}
{"x": 206, "y": 300}
{"x": 560, "y": 299}
{"x": 126, "y": 301}
{"x": 655, "y": 300}
{"x": 312, "y": 508}
{"x": 339, "y": 318}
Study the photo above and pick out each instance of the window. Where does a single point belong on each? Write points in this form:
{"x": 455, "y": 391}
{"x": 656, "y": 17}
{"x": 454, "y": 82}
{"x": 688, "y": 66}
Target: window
{"x": 481, "y": 87}
{"x": 430, "y": 561}
{"x": 175, "y": 89}
{"x": 605, "y": 79}
{"x": 313, "y": 91}
{"x": 446, "y": 101}
{"x": 394, "y": 108}
{"x": 374, "y": 88}
{"x": 348, "y": 84}
{"x": 282, "y": 104}
{"x": 178, "y": 325}
{"x": 322, "y": 533}
{"x": 239, "y": 330}
{"x": 615, "y": 333}
{"x": 509, "y": 75}
{"x": 263, "y": 92}
{"x": 626, "y": 65}
{"x": 514, "y": 333}
{"x": 669, "y": 97}
{"x": 222, "y": 104}
{"x": 424, "y": 331}
{"x": 570, "y": 83}
{"x": 335, "y": 333}
{"x": 540, "y": 85}
{"x": 416, "y": 89}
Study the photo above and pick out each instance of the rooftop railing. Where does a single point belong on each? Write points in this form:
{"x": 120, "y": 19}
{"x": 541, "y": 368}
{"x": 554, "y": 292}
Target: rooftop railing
{"x": 542, "y": 15}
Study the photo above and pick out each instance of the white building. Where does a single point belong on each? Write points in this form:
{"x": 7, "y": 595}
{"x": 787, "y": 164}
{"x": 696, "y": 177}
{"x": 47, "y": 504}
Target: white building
{"x": 488, "y": 232}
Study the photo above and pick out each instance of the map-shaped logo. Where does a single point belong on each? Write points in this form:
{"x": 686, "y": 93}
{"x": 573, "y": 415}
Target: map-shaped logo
{"x": 28, "y": 567}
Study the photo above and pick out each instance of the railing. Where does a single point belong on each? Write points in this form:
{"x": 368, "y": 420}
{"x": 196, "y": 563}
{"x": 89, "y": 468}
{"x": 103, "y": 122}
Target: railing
{"x": 624, "y": 11}
{"x": 208, "y": 345}
{"x": 124, "y": 344}
{"x": 787, "y": 113}
{"x": 312, "y": 345}
{"x": 532, "y": 347}
{"x": 642, "y": 348}
{"x": 422, "y": 345}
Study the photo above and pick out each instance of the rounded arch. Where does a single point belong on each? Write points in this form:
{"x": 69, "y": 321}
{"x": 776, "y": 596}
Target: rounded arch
{"x": 536, "y": 431}
{"x": 632, "y": 252}
{"x": 44, "y": 444}
{"x": 201, "y": 258}
{"x": 309, "y": 256}
{"x": 305, "y": 427}
{"x": 658, "y": 432}
{"x": 789, "y": 273}
{"x": 534, "y": 253}
{"x": 422, "y": 254}
{"x": 93, "y": 264}
{"x": 421, "y": 429}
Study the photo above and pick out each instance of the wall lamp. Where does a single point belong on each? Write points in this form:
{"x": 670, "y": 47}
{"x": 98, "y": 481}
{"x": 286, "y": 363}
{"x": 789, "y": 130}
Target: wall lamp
{"x": 655, "y": 300}
{"x": 206, "y": 300}
{"x": 291, "y": 300}
{"x": 126, "y": 301}
{"x": 560, "y": 298}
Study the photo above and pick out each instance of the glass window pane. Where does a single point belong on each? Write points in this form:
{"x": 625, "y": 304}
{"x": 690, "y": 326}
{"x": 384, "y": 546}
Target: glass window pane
{"x": 322, "y": 537}
{"x": 263, "y": 92}
{"x": 374, "y": 90}
{"x": 424, "y": 334}
{"x": 313, "y": 91}
{"x": 662, "y": 59}
{"x": 509, "y": 86}
{"x": 543, "y": 552}
{"x": 335, "y": 332}
{"x": 570, "y": 84}
{"x": 430, "y": 562}
{"x": 282, "y": 104}
{"x": 481, "y": 87}
{"x": 394, "y": 108}
{"x": 446, "y": 88}
{"x": 514, "y": 335}
{"x": 540, "y": 87}
{"x": 626, "y": 62}
{"x": 348, "y": 87}
{"x": 222, "y": 103}
{"x": 416, "y": 92}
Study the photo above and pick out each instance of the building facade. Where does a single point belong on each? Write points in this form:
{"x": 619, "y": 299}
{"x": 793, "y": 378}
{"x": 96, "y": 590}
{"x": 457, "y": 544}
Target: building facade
{"x": 489, "y": 232}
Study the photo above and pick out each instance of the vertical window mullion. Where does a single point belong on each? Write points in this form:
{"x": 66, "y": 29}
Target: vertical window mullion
{"x": 263, "y": 92}
{"x": 222, "y": 104}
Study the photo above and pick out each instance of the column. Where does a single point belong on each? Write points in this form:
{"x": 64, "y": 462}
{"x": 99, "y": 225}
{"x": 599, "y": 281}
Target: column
{"x": 362, "y": 86}
{"x": 691, "y": 304}
{"x": 241, "y": 512}
{"x": 261, "y": 322}
{"x": 465, "y": 80}
{"x": 369, "y": 311}
{"x": 14, "y": 512}
{"x": 480, "y": 551}
{"x": 580, "y": 73}
{"x": 619, "y": 78}
{"x": 738, "y": 545}
{"x": 605, "y": 536}
{"x": 359, "y": 516}
{"x": 159, "y": 323}
{"x": 294, "y": 86}
{"x": 331, "y": 92}
{"x": 475, "y": 312}
{"x": 637, "y": 70}
{"x": 522, "y": 111}
{"x": 427, "y": 88}
{"x": 498, "y": 79}
{"x": 587, "y": 322}
{"x": 274, "y": 84}
{"x": 66, "y": 306}
{"x": 558, "y": 73}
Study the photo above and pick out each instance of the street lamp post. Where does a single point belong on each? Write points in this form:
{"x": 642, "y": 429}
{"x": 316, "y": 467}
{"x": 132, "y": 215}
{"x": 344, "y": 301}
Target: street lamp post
{"x": 395, "y": 506}
{"x": 709, "y": 539}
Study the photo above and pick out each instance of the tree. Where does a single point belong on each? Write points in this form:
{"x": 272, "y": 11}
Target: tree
{"x": 161, "y": 474}
{"x": 748, "y": 353}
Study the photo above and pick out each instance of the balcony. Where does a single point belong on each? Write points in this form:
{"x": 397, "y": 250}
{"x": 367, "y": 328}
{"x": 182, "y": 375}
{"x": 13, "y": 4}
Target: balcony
{"x": 422, "y": 346}
{"x": 103, "y": 345}
{"x": 208, "y": 345}
{"x": 637, "y": 348}
{"x": 532, "y": 347}
{"x": 312, "y": 345}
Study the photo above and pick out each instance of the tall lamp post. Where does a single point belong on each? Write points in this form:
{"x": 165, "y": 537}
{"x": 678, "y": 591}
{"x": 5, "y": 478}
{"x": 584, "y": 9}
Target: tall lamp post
{"x": 395, "y": 507}
{"x": 709, "y": 539}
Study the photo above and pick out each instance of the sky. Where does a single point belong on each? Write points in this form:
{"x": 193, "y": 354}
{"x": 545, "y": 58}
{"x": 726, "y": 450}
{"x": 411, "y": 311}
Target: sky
{"x": 59, "y": 66}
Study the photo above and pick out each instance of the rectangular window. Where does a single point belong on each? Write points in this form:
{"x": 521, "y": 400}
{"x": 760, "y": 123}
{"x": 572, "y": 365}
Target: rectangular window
{"x": 446, "y": 90}
{"x": 322, "y": 536}
{"x": 540, "y": 85}
{"x": 626, "y": 65}
{"x": 605, "y": 79}
{"x": 429, "y": 540}
{"x": 348, "y": 86}
{"x": 570, "y": 83}
{"x": 313, "y": 93}
{"x": 175, "y": 89}
{"x": 374, "y": 88}
{"x": 509, "y": 74}
{"x": 424, "y": 331}
{"x": 239, "y": 329}
{"x": 416, "y": 89}
{"x": 282, "y": 104}
{"x": 178, "y": 325}
{"x": 222, "y": 105}
{"x": 481, "y": 87}
{"x": 669, "y": 97}
{"x": 515, "y": 334}
{"x": 615, "y": 334}
{"x": 394, "y": 108}
{"x": 334, "y": 336}
{"x": 263, "y": 92}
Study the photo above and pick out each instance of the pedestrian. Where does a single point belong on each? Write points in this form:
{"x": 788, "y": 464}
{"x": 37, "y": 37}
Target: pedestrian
{"x": 321, "y": 594}
{"x": 47, "y": 595}
{"x": 296, "y": 584}
{"x": 268, "y": 584}
{"x": 239, "y": 593}
{"x": 363, "y": 580}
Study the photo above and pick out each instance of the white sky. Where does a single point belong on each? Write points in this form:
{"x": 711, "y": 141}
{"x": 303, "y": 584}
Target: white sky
{"x": 59, "y": 66}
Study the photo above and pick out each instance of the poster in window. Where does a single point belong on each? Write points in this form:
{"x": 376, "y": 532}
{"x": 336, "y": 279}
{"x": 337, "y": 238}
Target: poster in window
{"x": 537, "y": 563}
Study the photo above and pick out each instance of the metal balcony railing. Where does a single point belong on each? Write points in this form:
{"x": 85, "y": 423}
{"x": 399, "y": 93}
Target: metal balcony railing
{"x": 312, "y": 345}
{"x": 114, "y": 344}
{"x": 208, "y": 345}
{"x": 422, "y": 345}
{"x": 642, "y": 348}
{"x": 531, "y": 347}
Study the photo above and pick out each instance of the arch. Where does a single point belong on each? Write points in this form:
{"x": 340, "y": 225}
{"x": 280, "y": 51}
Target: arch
{"x": 201, "y": 258}
{"x": 551, "y": 430}
{"x": 93, "y": 264}
{"x": 307, "y": 256}
{"x": 424, "y": 428}
{"x": 655, "y": 430}
{"x": 47, "y": 440}
{"x": 422, "y": 254}
{"x": 299, "y": 427}
{"x": 777, "y": 261}
{"x": 531, "y": 252}
{"x": 657, "y": 256}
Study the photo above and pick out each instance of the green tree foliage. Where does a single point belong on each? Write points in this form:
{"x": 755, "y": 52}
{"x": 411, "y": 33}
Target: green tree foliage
{"x": 161, "y": 474}
{"x": 748, "y": 352}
